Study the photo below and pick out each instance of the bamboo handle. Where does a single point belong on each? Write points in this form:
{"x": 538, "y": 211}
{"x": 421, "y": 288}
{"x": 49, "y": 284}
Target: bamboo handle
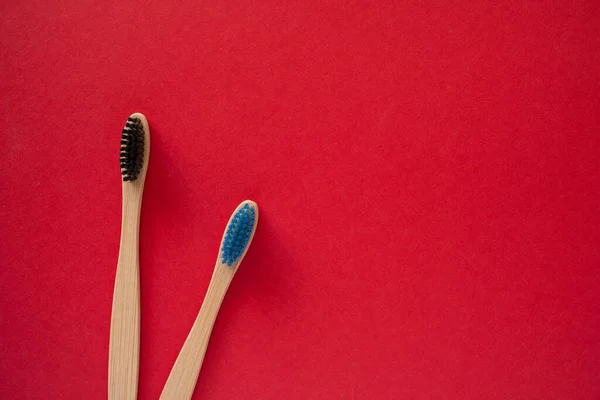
{"x": 124, "y": 348}
{"x": 184, "y": 374}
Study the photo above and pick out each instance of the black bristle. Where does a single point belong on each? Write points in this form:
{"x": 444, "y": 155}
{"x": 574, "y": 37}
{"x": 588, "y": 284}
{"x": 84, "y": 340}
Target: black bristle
{"x": 132, "y": 149}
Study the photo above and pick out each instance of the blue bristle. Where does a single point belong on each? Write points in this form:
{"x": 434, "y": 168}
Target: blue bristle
{"x": 237, "y": 234}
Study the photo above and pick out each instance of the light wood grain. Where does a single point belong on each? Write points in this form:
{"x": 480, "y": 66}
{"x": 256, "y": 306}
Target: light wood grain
{"x": 184, "y": 374}
{"x": 124, "y": 347}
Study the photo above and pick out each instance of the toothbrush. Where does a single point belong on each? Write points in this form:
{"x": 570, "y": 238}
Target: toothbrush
{"x": 234, "y": 245}
{"x": 124, "y": 347}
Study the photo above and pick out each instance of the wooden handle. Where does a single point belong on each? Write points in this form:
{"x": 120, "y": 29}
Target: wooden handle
{"x": 184, "y": 374}
{"x": 124, "y": 348}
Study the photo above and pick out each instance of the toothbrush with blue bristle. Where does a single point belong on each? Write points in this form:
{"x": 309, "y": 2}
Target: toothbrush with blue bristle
{"x": 234, "y": 245}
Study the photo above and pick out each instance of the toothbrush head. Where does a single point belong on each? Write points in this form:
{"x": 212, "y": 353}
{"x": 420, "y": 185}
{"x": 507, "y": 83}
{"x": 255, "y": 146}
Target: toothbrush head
{"x": 239, "y": 233}
{"x": 132, "y": 148}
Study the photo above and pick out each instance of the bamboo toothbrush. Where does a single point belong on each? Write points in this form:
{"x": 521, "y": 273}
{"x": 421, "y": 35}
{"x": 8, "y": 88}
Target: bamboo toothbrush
{"x": 124, "y": 348}
{"x": 234, "y": 245}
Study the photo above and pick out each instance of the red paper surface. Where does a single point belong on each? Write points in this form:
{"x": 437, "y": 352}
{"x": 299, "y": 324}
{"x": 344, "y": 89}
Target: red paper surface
{"x": 427, "y": 175}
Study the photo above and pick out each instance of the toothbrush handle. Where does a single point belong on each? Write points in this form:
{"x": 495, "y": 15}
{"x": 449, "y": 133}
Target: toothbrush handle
{"x": 184, "y": 374}
{"x": 124, "y": 347}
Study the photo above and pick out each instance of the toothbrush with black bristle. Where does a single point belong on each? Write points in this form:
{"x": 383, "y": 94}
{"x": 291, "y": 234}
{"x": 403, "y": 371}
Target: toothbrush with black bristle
{"x": 234, "y": 245}
{"x": 124, "y": 347}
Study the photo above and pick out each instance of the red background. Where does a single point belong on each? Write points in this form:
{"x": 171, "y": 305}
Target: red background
{"x": 427, "y": 175}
